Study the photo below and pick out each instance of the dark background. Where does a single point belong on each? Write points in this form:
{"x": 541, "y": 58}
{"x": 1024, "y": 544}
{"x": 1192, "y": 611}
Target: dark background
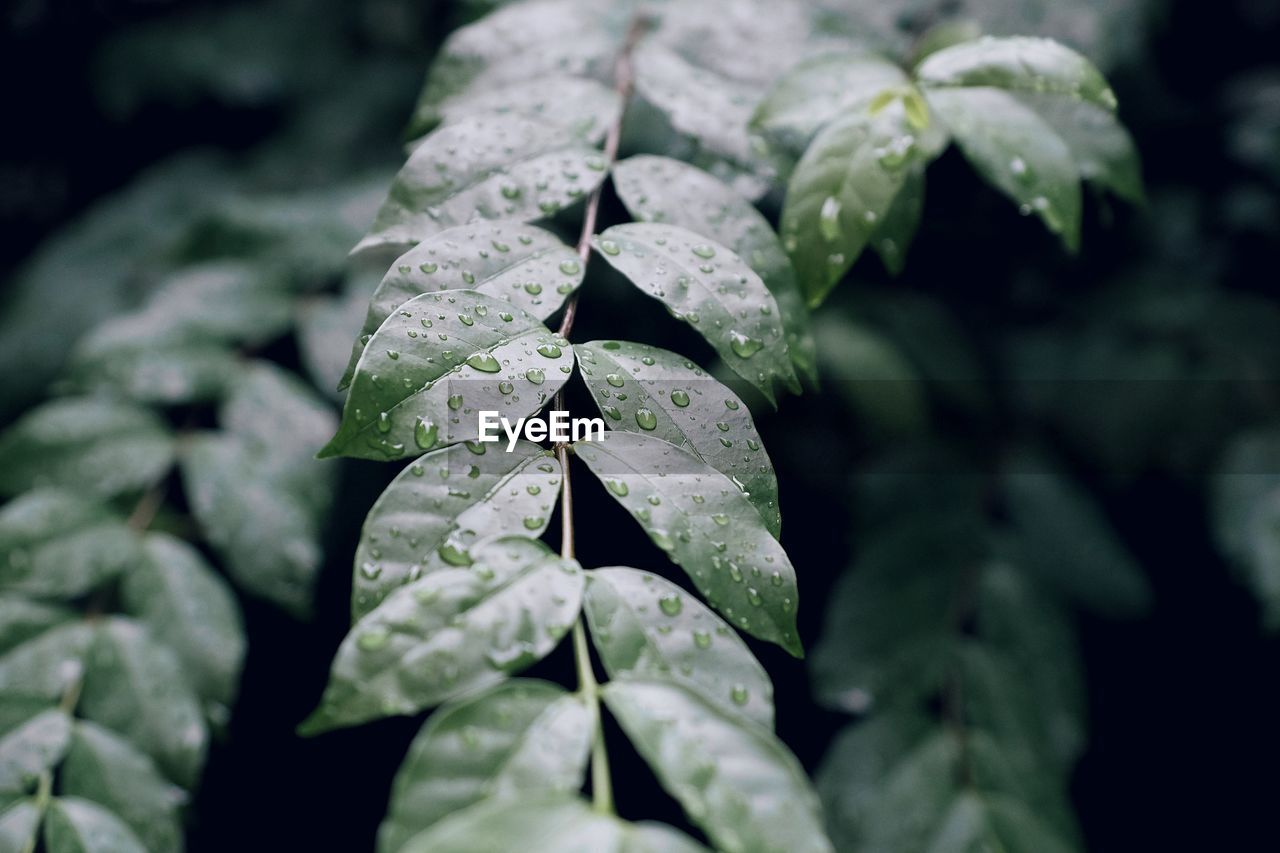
{"x": 1184, "y": 703}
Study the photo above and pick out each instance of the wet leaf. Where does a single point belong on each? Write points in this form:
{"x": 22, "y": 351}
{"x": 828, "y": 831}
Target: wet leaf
{"x": 582, "y": 108}
{"x": 1017, "y": 64}
{"x": 74, "y": 825}
{"x": 33, "y": 739}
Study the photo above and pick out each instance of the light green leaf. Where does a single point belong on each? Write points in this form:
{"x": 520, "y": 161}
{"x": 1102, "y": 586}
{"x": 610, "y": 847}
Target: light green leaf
{"x": 21, "y": 620}
{"x": 735, "y": 780}
{"x": 546, "y": 824}
{"x": 1103, "y": 151}
{"x": 842, "y": 189}
{"x": 582, "y": 108}
{"x": 135, "y": 686}
{"x": 451, "y": 632}
{"x": 103, "y": 768}
{"x": 90, "y": 445}
{"x": 659, "y": 189}
{"x": 1017, "y": 151}
{"x": 19, "y": 825}
{"x": 73, "y": 825}
{"x": 712, "y": 289}
{"x": 527, "y": 266}
{"x": 436, "y": 509}
{"x": 485, "y": 167}
{"x": 647, "y": 627}
{"x": 436, "y": 362}
{"x": 644, "y": 389}
{"x": 1245, "y": 492}
{"x": 33, "y": 739}
{"x": 522, "y": 737}
{"x": 56, "y": 544}
{"x": 704, "y": 523}
{"x": 48, "y": 663}
{"x": 1017, "y": 64}
{"x": 188, "y": 607}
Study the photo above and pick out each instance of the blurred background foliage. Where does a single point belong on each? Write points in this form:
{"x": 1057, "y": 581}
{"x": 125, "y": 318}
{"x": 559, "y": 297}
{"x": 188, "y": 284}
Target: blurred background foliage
{"x": 1051, "y": 464}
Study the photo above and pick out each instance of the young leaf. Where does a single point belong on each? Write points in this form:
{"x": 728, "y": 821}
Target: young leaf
{"x": 518, "y": 738}
{"x": 659, "y": 189}
{"x": 56, "y": 544}
{"x": 73, "y": 825}
{"x": 484, "y": 167}
{"x": 1018, "y": 64}
{"x": 439, "y": 359}
{"x": 451, "y": 632}
{"x": 524, "y": 265}
{"x": 707, "y": 526}
{"x": 546, "y": 824}
{"x": 710, "y": 288}
{"x": 90, "y": 445}
{"x": 436, "y": 509}
{"x": 644, "y": 389}
{"x": 647, "y": 627}
{"x": 735, "y": 780}
{"x": 30, "y": 744}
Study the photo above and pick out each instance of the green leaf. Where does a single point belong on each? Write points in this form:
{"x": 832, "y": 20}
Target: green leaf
{"x": 56, "y": 544}
{"x": 135, "y": 686}
{"x": 1102, "y": 149}
{"x": 1245, "y": 492}
{"x": 442, "y": 505}
{"x": 103, "y": 768}
{"x": 841, "y": 191}
{"x": 451, "y": 632}
{"x": 91, "y": 445}
{"x": 526, "y": 266}
{"x": 644, "y": 389}
{"x": 704, "y": 523}
{"x": 546, "y": 824}
{"x": 900, "y": 223}
{"x": 710, "y": 288}
{"x": 735, "y": 780}
{"x": 1017, "y": 151}
{"x": 19, "y": 825}
{"x": 581, "y": 108}
{"x": 48, "y": 663}
{"x": 485, "y": 167}
{"x": 522, "y": 737}
{"x": 21, "y": 620}
{"x": 659, "y": 189}
{"x": 647, "y": 627}
{"x": 188, "y": 607}
{"x": 73, "y": 825}
{"x": 881, "y": 386}
{"x": 33, "y": 739}
{"x": 326, "y": 326}
{"x": 1017, "y": 64}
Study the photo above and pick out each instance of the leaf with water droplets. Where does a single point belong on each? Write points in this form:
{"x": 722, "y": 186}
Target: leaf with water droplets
{"x": 33, "y": 739}
{"x": 581, "y": 107}
{"x": 451, "y": 632}
{"x": 104, "y": 768}
{"x": 546, "y": 823}
{"x": 843, "y": 189}
{"x": 892, "y": 239}
{"x": 436, "y": 509}
{"x": 95, "y": 445}
{"x": 484, "y": 167}
{"x": 690, "y": 409}
{"x": 645, "y": 626}
{"x": 521, "y": 738}
{"x": 1103, "y": 151}
{"x": 707, "y": 526}
{"x": 75, "y": 825}
{"x": 659, "y": 189}
{"x": 712, "y": 289}
{"x": 436, "y": 362}
{"x": 527, "y": 266}
{"x": 1017, "y": 64}
{"x": 736, "y": 781}
{"x": 56, "y": 544}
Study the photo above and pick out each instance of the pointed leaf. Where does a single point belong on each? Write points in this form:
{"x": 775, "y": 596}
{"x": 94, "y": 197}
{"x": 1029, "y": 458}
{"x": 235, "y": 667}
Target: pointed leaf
{"x": 710, "y": 288}
{"x": 659, "y": 189}
{"x": 485, "y": 167}
{"x": 644, "y": 389}
{"x": 1103, "y": 151}
{"x": 436, "y": 362}
{"x": 90, "y": 445}
{"x": 527, "y": 266}
{"x": 451, "y": 632}
{"x": 33, "y": 739}
{"x": 707, "y": 526}
{"x": 436, "y": 509}
{"x": 73, "y": 825}
{"x": 736, "y": 781}
{"x": 520, "y": 738}
{"x": 647, "y": 627}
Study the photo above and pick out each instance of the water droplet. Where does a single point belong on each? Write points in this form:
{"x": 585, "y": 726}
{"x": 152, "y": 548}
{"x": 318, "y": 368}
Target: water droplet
{"x": 615, "y": 380}
{"x": 373, "y": 639}
{"x": 570, "y": 267}
{"x": 549, "y": 350}
{"x": 612, "y": 412}
{"x": 702, "y": 639}
{"x": 679, "y": 398}
{"x": 743, "y": 346}
{"x": 829, "y": 219}
{"x": 535, "y": 375}
{"x": 484, "y": 362}
{"x": 618, "y": 487}
{"x": 609, "y": 247}
{"x": 532, "y": 522}
{"x": 425, "y": 433}
{"x": 428, "y": 267}
{"x": 384, "y": 422}
{"x": 739, "y": 694}
{"x": 646, "y": 419}
{"x": 720, "y": 519}
{"x": 671, "y": 604}
{"x": 702, "y": 250}
{"x": 532, "y": 288}
{"x": 466, "y": 320}
{"x": 455, "y": 401}
{"x": 453, "y": 555}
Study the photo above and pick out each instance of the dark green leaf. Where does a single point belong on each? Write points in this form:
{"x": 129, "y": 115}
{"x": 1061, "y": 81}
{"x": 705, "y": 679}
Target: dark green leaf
{"x": 436, "y": 362}
{"x": 710, "y": 288}
{"x": 31, "y": 744}
{"x": 644, "y": 626}
{"x": 444, "y": 503}
{"x": 1017, "y": 64}
{"x": 1103, "y": 151}
{"x": 452, "y": 631}
{"x": 644, "y": 389}
{"x": 21, "y": 620}
{"x": 73, "y": 825}
{"x": 520, "y": 738}
{"x": 48, "y": 663}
